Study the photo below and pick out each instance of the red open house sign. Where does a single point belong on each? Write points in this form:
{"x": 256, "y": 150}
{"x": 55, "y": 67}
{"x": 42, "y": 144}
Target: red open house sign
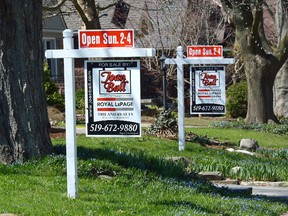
{"x": 116, "y": 38}
{"x": 204, "y": 51}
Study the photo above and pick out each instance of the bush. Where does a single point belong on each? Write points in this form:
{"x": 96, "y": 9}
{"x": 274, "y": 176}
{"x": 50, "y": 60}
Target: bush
{"x": 281, "y": 129}
{"x": 165, "y": 124}
{"x": 80, "y": 101}
{"x": 53, "y": 97}
{"x": 237, "y": 100}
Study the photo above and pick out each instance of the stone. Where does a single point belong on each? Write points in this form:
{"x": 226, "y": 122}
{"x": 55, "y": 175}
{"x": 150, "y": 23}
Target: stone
{"x": 227, "y": 182}
{"x": 236, "y": 169}
{"x": 240, "y": 190}
{"x": 8, "y": 214}
{"x": 185, "y": 160}
{"x": 211, "y": 175}
{"x": 230, "y": 149}
{"x": 245, "y": 152}
{"x": 249, "y": 144}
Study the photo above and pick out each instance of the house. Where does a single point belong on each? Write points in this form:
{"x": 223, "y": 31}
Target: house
{"x": 163, "y": 25}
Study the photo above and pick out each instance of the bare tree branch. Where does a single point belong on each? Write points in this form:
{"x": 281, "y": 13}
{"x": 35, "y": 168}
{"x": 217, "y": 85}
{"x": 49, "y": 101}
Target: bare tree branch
{"x": 106, "y": 7}
{"x": 80, "y": 11}
{"x": 54, "y": 7}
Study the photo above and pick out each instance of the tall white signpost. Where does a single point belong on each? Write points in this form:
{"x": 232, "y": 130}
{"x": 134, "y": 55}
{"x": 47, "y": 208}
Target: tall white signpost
{"x": 113, "y": 44}
{"x": 196, "y": 55}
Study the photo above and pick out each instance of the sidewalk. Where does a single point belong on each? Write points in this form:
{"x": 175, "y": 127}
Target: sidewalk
{"x": 269, "y": 191}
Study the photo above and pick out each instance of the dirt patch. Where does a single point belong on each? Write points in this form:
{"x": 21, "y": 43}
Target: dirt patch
{"x": 57, "y": 132}
{"x": 55, "y": 116}
{"x": 57, "y": 135}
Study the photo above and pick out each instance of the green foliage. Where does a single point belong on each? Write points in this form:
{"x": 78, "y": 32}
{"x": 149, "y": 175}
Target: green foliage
{"x": 54, "y": 98}
{"x": 281, "y": 129}
{"x": 80, "y": 101}
{"x": 165, "y": 124}
{"x": 237, "y": 95}
{"x": 234, "y": 135}
{"x": 132, "y": 176}
{"x": 257, "y": 168}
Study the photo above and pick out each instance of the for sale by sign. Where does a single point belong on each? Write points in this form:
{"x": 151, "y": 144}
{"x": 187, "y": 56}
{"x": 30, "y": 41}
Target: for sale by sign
{"x": 204, "y": 51}
{"x": 115, "y": 38}
{"x": 113, "y": 98}
{"x": 207, "y": 88}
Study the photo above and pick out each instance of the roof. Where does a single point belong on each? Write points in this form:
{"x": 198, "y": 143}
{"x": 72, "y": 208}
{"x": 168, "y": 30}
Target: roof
{"x": 158, "y": 18}
{"x": 156, "y": 23}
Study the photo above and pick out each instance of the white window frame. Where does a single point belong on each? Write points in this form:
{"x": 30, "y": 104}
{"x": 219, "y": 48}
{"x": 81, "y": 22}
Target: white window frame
{"x": 53, "y": 63}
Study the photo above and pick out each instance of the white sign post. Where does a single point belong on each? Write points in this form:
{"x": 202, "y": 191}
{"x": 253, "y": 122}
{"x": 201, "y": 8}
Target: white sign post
{"x": 68, "y": 53}
{"x": 180, "y": 61}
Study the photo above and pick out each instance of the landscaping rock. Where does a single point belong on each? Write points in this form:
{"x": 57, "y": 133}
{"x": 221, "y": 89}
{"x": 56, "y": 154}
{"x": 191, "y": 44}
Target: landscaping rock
{"x": 249, "y": 144}
{"x": 180, "y": 159}
{"x": 55, "y": 116}
{"x": 245, "y": 152}
{"x": 227, "y": 182}
{"x": 265, "y": 183}
{"x": 230, "y": 149}
{"x": 105, "y": 177}
{"x": 211, "y": 175}
{"x": 241, "y": 151}
{"x": 239, "y": 190}
{"x": 8, "y": 214}
{"x": 236, "y": 169}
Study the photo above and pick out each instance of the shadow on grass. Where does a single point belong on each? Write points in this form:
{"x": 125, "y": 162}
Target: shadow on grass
{"x": 163, "y": 167}
{"x": 140, "y": 160}
{"x": 191, "y": 205}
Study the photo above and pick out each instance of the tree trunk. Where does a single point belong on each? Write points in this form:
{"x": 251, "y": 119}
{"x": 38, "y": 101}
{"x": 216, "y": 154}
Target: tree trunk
{"x": 24, "y": 124}
{"x": 281, "y": 92}
{"x": 88, "y": 13}
{"x": 260, "y": 77}
{"x": 281, "y": 80}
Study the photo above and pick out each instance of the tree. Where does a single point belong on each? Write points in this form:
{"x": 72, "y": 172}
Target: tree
{"x": 88, "y": 13}
{"x": 262, "y": 61}
{"x": 281, "y": 80}
{"x": 24, "y": 124}
{"x": 88, "y": 10}
{"x": 165, "y": 25}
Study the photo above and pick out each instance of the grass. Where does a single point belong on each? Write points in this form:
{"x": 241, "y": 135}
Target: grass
{"x": 265, "y": 140}
{"x": 142, "y": 180}
{"x": 202, "y": 121}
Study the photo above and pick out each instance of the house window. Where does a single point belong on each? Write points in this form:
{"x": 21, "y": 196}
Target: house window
{"x": 50, "y": 43}
{"x": 121, "y": 14}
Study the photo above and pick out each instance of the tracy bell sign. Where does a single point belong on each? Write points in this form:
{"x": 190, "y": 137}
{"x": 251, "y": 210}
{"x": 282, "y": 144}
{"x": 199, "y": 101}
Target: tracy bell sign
{"x": 113, "y": 106}
{"x": 207, "y": 90}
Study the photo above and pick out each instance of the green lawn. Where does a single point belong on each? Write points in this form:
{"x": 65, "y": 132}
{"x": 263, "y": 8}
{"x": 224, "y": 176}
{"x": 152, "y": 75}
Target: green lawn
{"x": 143, "y": 181}
{"x": 265, "y": 140}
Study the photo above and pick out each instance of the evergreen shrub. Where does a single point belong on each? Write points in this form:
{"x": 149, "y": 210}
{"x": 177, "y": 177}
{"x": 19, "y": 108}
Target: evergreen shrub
{"x": 53, "y": 97}
{"x": 237, "y": 98}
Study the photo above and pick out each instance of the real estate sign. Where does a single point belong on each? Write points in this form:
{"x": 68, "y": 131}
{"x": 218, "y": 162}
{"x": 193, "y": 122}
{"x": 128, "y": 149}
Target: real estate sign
{"x": 214, "y": 51}
{"x": 110, "y": 38}
{"x": 207, "y": 90}
{"x": 113, "y": 98}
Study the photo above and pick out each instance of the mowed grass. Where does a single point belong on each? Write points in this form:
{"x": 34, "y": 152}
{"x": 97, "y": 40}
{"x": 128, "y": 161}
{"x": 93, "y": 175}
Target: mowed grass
{"x": 127, "y": 176}
{"x": 264, "y": 139}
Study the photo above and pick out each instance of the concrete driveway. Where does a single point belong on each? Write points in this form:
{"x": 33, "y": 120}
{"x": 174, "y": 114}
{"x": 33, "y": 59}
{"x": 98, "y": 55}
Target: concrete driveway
{"x": 269, "y": 191}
